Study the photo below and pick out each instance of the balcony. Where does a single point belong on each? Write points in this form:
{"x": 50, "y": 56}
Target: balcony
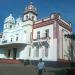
{"x": 4, "y": 44}
{"x": 43, "y": 39}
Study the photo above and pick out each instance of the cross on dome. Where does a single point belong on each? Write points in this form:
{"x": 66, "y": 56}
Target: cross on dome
{"x": 30, "y": 8}
{"x": 10, "y": 14}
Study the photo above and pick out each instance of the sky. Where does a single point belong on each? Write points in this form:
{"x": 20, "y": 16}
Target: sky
{"x": 66, "y": 8}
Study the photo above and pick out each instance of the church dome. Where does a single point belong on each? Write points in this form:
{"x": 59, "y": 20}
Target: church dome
{"x": 10, "y": 19}
{"x": 18, "y": 20}
{"x": 30, "y": 8}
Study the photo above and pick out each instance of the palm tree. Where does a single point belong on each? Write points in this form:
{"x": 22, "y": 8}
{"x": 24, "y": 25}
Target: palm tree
{"x": 72, "y": 37}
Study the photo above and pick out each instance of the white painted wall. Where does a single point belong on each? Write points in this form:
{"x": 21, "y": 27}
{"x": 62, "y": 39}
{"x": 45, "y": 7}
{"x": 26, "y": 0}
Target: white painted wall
{"x": 23, "y": 31}
{"x": 52, "y": 51}
{"x": 63, "y": 41}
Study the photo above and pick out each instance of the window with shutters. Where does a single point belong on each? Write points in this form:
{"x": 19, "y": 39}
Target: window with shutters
{"x": 38, "y": 35}
{"x": 47, "y": 32}
{"x": 37, "y": 51}
{"x": 46, "y": 52}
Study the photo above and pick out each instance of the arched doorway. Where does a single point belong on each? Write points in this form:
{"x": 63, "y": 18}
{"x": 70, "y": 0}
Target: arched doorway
{"x": 14, "y": 53}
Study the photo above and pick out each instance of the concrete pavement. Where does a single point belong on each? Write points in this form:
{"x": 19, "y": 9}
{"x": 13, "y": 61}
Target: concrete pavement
{"x": 20, "y": 69}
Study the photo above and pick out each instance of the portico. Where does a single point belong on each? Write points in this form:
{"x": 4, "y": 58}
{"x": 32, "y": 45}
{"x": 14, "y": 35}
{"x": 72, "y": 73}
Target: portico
{"x": 11, "y": 51}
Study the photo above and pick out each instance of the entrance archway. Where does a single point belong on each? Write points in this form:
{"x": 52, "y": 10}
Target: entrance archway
{"x": 14, "y": 53}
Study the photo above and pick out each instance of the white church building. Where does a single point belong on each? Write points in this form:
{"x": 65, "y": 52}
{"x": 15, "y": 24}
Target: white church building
{"x": 29, "y": 38}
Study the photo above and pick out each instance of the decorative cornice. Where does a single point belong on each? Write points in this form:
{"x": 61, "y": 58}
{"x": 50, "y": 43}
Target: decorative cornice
{"x": 64, "y": 25}
{"x": 31, "y": 12}
{"x": 50, "y": 22}
{"x": 43, "y": 23}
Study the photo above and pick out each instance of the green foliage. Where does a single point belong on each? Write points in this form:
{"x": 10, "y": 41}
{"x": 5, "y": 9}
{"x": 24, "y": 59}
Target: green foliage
{"x": 71, "y": 36}
{"x": 71, "y": 52}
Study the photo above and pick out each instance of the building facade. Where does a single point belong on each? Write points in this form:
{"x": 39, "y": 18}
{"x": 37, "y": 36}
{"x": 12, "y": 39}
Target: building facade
{"x": 31, "y": 39}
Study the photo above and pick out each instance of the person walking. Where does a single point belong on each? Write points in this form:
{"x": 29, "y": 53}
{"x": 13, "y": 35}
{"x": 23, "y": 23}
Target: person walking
{"x": 41, "y": 67}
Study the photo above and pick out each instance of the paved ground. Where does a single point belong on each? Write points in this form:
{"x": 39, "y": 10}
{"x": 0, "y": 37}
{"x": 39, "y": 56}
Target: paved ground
{"x": 20, "y": 69}
{"x": 17, "y": 69}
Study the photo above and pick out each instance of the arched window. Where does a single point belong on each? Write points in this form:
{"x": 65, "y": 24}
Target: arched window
{"x": 26, "y": 17}
{"x": 11, "y": 39}
{"x": 29, "y": 51}
{"x": 32, "y": 17}
{"x": 16, "y": 37}
{"x": 37, "y": 51}
{"x": 38, "y": 35}
{"x": 47, "y": 33}
{"x": 10, "y": 26}
{"x": 5, "y": 26}
{"x": 46, "y": 52}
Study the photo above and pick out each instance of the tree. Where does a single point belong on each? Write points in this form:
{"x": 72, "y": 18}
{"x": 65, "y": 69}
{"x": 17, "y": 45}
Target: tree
{"x": 72, "y": 37}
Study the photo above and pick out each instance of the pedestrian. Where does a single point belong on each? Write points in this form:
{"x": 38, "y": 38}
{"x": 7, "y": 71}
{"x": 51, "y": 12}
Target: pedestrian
{"x": 41, "y": 67}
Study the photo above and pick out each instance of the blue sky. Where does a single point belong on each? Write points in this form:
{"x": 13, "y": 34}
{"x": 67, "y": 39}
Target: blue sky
{"x": 45, "y": 7}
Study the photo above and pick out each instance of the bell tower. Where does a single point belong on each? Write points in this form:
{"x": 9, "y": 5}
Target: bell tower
{"x": 9, "y": 23}
{"x": 30, "y": 13}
